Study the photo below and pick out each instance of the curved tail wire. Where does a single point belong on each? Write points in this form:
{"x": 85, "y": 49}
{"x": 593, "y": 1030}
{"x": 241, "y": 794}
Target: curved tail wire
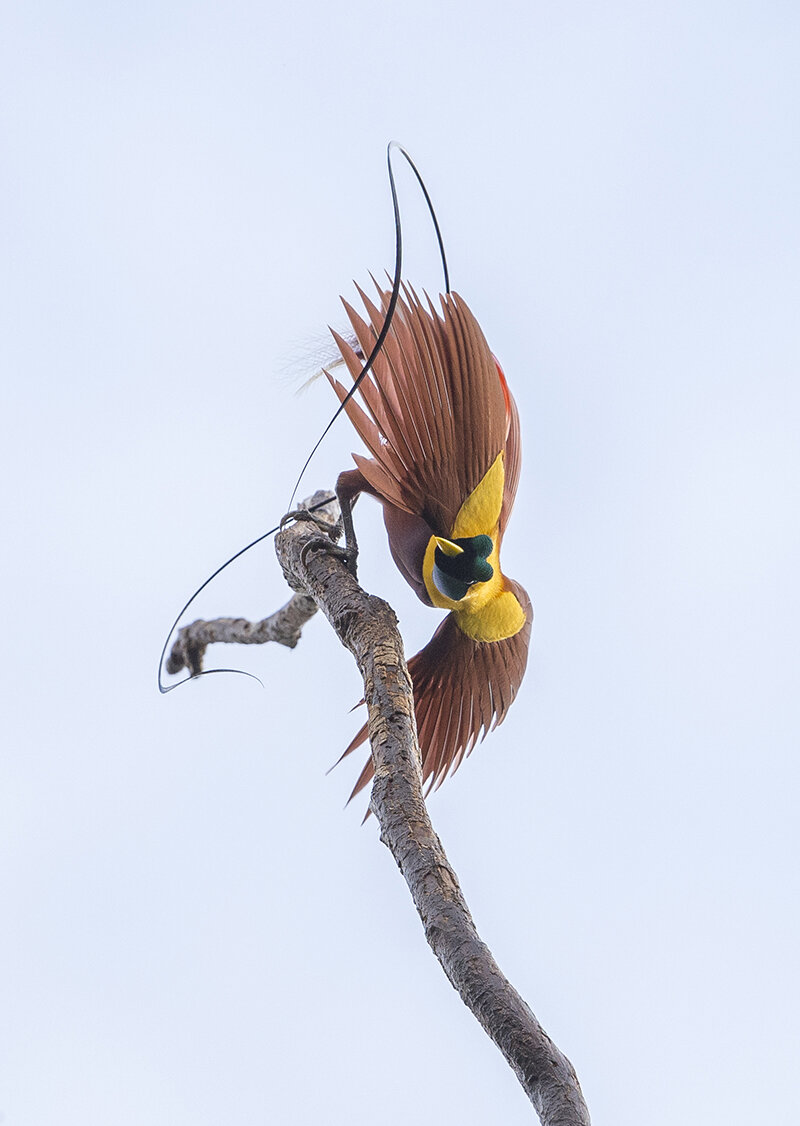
{"x": 398, "y": 268}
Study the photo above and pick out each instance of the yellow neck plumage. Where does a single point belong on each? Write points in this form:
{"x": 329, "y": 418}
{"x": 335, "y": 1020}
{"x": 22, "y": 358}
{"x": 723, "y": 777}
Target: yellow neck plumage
{"x": 488, "y": 611}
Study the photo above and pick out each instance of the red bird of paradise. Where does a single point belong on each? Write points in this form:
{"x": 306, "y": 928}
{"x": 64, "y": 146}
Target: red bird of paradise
{"x": 443, "y": 431}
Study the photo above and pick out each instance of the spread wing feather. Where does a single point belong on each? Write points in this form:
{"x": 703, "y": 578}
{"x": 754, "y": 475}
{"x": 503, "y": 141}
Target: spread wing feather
{"x": 436, "y": 412}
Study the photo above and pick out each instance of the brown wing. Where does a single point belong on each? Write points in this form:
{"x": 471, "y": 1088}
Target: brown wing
{"x": 435, "y": 412}
{"x": 462, "y": 690}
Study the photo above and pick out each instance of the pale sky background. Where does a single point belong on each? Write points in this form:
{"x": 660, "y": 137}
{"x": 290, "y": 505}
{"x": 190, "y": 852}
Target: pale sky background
{"x": 192, "y": 930}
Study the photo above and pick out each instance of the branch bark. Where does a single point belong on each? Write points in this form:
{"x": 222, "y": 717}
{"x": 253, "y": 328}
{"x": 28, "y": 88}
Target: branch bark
{"x": 367, "y": 626}
{"x": 284, "y": 626}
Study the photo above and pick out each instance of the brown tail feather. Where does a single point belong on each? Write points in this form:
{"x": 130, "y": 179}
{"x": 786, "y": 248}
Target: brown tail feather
{"x": 462, "y": 690}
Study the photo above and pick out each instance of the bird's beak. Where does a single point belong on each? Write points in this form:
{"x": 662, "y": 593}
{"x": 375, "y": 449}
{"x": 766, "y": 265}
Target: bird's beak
{"x": 448, "y": 547}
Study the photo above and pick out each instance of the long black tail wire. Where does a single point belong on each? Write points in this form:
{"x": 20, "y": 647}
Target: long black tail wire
{"x": 387, "y": 323}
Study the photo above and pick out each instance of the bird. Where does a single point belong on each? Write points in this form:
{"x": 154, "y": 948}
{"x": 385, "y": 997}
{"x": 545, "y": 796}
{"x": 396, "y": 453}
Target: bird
{"x": 443, "y": 433}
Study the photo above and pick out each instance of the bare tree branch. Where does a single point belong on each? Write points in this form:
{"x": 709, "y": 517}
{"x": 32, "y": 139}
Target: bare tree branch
{"x": 367, "y": 626}
{"x": 284, "y": 626}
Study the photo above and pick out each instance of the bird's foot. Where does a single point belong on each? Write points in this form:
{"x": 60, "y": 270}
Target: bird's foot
{"x": 332, "y": 529}
{"x": 330, "y": 532}
{"x": 324, "y": 543}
